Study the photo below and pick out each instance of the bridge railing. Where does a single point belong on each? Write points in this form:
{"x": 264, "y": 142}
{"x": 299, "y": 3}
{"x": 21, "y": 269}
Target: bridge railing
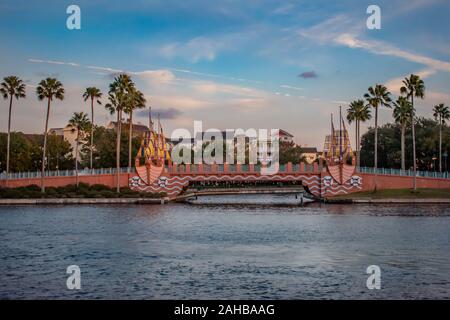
{"x": 406, "y": 173}
{"x": 63, "y": 173}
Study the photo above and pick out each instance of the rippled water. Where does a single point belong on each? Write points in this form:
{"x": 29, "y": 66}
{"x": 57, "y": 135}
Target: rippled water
{"x": 225, "y": 251}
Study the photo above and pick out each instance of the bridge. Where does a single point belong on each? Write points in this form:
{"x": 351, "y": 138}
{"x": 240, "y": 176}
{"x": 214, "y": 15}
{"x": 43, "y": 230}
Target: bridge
{"x": 175, "y": 179}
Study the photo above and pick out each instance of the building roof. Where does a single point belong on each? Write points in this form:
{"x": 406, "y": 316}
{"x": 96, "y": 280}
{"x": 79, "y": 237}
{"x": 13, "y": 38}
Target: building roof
{"x": 285, "y": 133}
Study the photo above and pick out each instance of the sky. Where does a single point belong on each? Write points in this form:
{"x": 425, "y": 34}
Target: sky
{"x": 229, "y": 63}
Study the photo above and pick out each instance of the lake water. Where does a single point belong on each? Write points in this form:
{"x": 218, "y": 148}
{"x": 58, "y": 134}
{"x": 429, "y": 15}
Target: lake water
{"x": 225, "y": 250}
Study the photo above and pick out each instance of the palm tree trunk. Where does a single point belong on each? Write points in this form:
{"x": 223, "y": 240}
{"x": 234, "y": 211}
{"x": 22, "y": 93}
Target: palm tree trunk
{"x": 440, "y": 144}
{"x": 414, "y": 144}
{"x": 44, "y": 149}
{"x": 358, "y": 145}
{"x": 92, "y": 132}
{"x": 356, "y": 141}
{"x": 403, "y": 147}
{"x": 8, "y": 144}
{"x": 130, "y": 137}
{"x": 375, "y": 164}
{"x": 76, "y": 157}
{"x": 119, "y": 118}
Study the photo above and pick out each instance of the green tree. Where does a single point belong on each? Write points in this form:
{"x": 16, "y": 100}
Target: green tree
{"x": 59, "y": 153}
{"x": 441, "y": 114}
{"x": 81, "y": 123}
{"x": 49, "y": 89}
{"x": 93, "y": 94}
{"x": 11, "y": 87}
{"x": 118, "y": 95}
{"x": 290, "y": 152}
{"x": 427, "y": 138}
{"x": 136, "y": 100}
{"x": 402, "y": 116}
{"x": 413, "y": 87}
{"x": 358, "y": 112}
{"x": 20, "y": 152}
{"x": 378, "y": 96}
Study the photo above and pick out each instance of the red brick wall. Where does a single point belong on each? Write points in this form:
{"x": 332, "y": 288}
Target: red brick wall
{"x": 399, "y": 182}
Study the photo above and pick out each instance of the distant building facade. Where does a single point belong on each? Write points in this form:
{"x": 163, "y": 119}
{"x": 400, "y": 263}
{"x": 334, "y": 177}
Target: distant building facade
{"x": 69, "y": 134}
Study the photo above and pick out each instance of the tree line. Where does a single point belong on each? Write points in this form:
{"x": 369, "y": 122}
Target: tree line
{"x": 123, "y": 98}
{"x": 406, "y": 121}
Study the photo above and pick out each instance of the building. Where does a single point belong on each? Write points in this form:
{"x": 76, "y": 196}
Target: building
{"x": 69, "y": 134}
{"x": 286, "y": 136}
{"x": 263, "y": 150}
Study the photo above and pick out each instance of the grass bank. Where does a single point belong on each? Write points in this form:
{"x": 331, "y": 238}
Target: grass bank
{"x": 72, "y": 191}
{"x": 392, "y": 195}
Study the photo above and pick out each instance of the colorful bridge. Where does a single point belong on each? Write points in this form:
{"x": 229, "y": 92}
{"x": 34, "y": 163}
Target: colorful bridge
{"x": 174, "y": 179}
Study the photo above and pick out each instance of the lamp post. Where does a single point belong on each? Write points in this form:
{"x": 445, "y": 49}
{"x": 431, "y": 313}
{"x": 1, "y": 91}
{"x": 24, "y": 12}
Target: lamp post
{"x": 445, "y": 161}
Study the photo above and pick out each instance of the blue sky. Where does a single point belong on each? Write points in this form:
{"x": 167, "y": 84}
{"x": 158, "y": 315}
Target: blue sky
{"x": 232, "y": 64}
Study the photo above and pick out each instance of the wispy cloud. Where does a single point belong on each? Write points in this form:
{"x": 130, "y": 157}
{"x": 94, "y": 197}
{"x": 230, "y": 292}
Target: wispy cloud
{"x": 286, "y": 86}
{"x": 344, "y": 30}
{"x": 383, "y": 48}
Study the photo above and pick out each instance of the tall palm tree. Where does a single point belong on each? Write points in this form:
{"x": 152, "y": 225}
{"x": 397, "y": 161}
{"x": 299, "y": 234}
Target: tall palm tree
{"x": 378, "y": 96}
{"x": 413, "y": 87}
{"x": 441, "y": 114}
{"x": 81, "y": 123}
{"x": 49, "y": 89}
{"x": 135, "y": 100}
{"x": 94, "y": 94}
{"x": 11, "y": 87}
{"x": 358, "y": 112}
{"x": 118, "y": 95}
{"x": 402, "y": 116}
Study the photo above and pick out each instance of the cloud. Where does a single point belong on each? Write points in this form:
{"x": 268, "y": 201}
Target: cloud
{"x": 308, "y": 75}
{"x": 194, "y": 50}
{"x": 183, "y": 102}
{"x": 382, "y": 48}
{"x": 285, "y": 86}
{"x": 72, "y": 64}
{"x": 345, "y": 31}
{"x": 156, "y": 77}
{"x": 167, "y": 113}
{"x": 395, "y": 84}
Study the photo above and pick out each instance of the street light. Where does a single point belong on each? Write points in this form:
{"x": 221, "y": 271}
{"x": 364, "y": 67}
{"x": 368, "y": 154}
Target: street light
{"x": 445, "y": 161}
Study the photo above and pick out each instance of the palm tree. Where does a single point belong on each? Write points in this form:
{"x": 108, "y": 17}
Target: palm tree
{"x": 81, "y": 123}
{"x": 49, "y": 89}
{"x": 92, "y": 93}
{"x": 413, "y": 87}
{"x": 11, "y": 87}
{"x": 118, "y": 95}
{"x": 402, "y": 116}
{"x": 358, "y": 112}
{"x": 441, "y": 114}
{"x": 135, "y": 100}
{"x": 377, "y": 96}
